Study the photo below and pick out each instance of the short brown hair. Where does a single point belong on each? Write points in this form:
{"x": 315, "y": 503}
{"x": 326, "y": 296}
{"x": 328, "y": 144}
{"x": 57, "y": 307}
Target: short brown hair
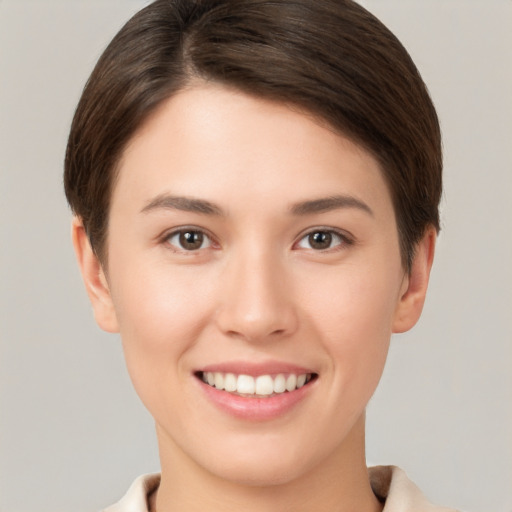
{"x": 330, "y": 57}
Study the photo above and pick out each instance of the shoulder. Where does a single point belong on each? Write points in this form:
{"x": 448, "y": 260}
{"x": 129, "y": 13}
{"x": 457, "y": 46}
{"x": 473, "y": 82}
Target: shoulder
{"x": 136, "y": 499}
{"x": 391, "y": 484}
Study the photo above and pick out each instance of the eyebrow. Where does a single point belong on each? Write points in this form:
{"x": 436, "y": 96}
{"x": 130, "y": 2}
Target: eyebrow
{"x": 326, "y": 204}
{"x": 202, "y": 206}
{"x": 186, "y": 204}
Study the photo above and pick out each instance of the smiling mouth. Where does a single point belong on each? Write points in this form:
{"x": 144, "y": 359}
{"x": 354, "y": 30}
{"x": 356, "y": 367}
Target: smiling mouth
{"x": 262, "y": 386}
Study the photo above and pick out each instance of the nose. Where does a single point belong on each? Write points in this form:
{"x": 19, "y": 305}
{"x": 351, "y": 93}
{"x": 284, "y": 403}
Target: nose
{"x": 257, "y": 303}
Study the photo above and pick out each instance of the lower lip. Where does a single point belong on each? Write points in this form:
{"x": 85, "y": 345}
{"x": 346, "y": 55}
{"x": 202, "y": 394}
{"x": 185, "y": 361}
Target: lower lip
{"x": 255, "y": 409}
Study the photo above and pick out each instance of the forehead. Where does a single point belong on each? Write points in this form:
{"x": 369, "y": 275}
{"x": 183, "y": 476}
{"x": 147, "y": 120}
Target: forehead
{"x": 222, "y": 144}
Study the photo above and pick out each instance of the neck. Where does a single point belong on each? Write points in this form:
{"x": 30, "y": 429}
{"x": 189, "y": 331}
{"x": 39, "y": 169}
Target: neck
{"x": 337, "y": 484}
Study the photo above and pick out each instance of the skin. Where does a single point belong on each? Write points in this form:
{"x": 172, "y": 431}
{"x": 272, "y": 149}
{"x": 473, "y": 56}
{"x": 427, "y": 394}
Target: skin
{"x": 256, "y": 290}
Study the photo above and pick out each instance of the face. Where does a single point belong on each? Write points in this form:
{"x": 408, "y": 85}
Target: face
{"x": 251, "y": 248}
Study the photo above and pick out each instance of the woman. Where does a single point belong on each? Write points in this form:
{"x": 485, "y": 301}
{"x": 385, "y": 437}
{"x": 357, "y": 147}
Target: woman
{"x": 255, "y": 187}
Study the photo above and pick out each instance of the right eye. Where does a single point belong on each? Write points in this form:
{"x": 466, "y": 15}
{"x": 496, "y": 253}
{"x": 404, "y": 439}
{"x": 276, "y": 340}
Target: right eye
{"x": 188, "y": 240}
{"x": 323, "y": 240}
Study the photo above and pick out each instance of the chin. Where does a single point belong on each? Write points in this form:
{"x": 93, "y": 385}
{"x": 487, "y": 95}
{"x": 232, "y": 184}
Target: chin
{"x": 261, "y": 464}
{"x": 266, "y": 473}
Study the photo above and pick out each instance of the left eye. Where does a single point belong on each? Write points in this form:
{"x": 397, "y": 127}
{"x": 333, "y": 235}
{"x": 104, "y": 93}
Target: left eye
{"x": 189, "y": 240}
{"x": 321, "y": 240}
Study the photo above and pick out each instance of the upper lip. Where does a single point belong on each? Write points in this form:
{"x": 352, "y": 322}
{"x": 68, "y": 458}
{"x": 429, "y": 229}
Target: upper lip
{"x": 255, "y": 369}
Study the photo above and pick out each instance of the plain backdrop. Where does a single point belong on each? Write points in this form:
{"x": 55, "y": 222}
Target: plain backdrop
{"x": 73, "y": 434}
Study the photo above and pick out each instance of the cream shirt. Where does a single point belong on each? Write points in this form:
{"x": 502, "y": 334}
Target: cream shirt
{"x": 389, "y": 483}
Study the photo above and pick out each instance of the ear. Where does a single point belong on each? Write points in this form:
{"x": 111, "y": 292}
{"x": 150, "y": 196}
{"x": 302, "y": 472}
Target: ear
{"x": 414, "y": 287}
{"x": 94, "y": 279}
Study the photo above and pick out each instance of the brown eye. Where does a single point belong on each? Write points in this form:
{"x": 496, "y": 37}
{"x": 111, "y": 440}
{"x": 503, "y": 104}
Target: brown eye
{"x": 322, "y": 240}
{"x": 189, "y": 240}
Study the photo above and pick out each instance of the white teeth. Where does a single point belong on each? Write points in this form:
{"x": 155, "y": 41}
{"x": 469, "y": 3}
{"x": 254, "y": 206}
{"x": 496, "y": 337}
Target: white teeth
{"x": 230, "y": 382}
{"x": 280, "y": 384}
{"x": 245, "y": 385}
{"x": 301, "y": 380}
{"x": 219, "y": 380}
{"x": 263, "y": 385}
{"x": 291, "y": 382}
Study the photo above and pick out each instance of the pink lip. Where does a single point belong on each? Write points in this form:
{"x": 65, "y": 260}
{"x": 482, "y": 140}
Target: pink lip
{"x": 255, "y": 409}
{"x": 251, "y": 408}
{"x": 255, "y": 369}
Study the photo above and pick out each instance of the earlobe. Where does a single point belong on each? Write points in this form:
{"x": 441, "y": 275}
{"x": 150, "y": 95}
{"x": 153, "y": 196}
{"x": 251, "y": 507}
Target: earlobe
{"x": 414, "y": 290}
{"x": 94, "y": 279}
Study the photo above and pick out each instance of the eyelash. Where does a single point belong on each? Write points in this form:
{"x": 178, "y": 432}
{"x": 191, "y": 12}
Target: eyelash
{"x": 344, "y": 239}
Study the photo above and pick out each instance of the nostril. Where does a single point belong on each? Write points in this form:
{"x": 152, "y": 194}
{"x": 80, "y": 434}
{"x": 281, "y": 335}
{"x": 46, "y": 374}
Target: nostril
{"x": 257, "y": 310}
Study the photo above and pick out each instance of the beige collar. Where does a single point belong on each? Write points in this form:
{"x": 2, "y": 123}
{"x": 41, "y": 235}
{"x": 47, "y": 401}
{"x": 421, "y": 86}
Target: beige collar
{"x": 389, "y": 483}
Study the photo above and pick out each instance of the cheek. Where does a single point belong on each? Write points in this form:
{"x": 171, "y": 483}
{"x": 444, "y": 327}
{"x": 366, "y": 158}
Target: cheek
{"x": 161, "y": 313}
{"x": 356, "y": 301}
{"x": 354, "y": 315}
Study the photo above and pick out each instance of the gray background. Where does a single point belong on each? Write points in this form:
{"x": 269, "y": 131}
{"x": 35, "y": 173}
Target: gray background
{"x": 72, "y": 432}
